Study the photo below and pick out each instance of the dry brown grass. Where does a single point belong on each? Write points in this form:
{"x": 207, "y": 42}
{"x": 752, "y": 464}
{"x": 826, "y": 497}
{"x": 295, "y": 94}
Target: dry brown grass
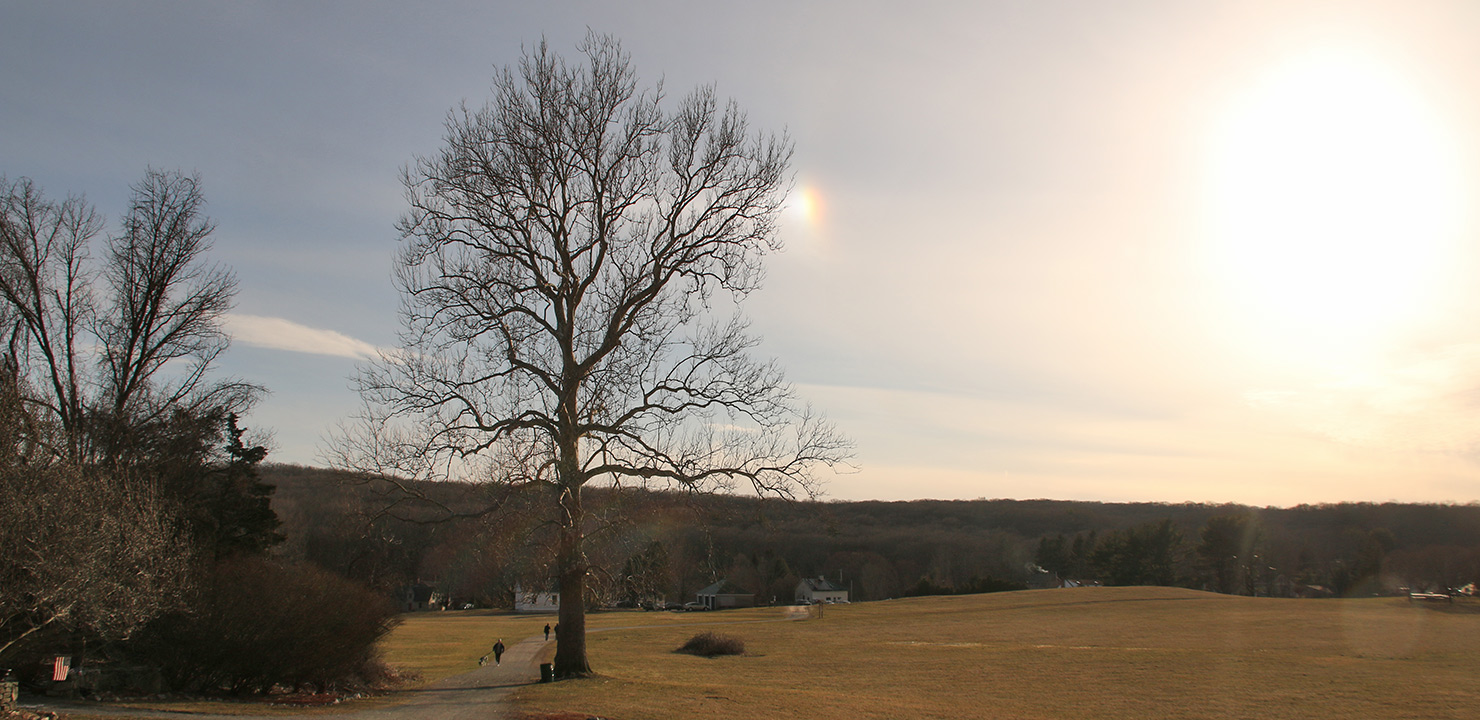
{"x": 431, "y": 646}
{"x": 1090, "y": 652}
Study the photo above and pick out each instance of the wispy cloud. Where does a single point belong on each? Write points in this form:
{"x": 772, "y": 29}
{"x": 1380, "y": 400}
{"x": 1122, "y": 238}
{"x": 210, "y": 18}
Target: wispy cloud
{"x": 282, "y": 334}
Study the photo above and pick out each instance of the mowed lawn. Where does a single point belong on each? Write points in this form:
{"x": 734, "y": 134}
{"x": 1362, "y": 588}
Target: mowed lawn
{"x": 1088, "y": 652}
{"x": 429, "y": 646}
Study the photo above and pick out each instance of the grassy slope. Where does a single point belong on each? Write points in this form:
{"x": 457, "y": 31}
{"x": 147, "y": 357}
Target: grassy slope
{"x": 1088, "y": 652}
{"x": 1096, "y": 652}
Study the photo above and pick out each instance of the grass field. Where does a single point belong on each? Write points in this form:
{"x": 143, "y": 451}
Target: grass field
{"x": 431, "y": 646}
{"x": 1086, "y": 652}
{"x": 1089, "y": 652}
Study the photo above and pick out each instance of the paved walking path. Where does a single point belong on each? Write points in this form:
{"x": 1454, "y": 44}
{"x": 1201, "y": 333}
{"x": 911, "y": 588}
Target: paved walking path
{"x": 475, "y": 695}
{"x": 480, "y": 694}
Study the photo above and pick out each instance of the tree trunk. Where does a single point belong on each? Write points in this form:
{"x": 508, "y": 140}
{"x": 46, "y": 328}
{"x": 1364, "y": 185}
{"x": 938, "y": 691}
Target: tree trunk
{"x": 570, "y": 646}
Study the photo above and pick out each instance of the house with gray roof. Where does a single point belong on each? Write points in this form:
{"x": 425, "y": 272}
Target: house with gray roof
{"x": 820, "y": 589}
{"x": 725, "y": 594}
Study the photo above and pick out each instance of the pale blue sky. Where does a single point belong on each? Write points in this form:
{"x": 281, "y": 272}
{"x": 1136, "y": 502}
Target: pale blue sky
{"x": 1011, "y": 283}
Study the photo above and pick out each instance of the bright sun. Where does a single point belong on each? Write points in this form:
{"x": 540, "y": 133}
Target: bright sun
{"x": 804, "y": 216}
{"x": 1333, "y": 201}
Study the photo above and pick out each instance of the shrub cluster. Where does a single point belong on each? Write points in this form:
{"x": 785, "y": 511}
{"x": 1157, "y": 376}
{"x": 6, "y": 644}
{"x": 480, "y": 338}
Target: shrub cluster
{"x": 256, "y": 624}
{"x": 712, "y": 645}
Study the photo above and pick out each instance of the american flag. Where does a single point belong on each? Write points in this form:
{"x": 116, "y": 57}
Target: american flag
{"x": 59, "y": 668}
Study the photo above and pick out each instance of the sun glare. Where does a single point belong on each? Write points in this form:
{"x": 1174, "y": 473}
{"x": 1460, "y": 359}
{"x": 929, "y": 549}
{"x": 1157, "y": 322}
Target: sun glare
{"x": 804, "y": 205}
{"x": 802, "y": 216}
{"x": 1333, "y": 203}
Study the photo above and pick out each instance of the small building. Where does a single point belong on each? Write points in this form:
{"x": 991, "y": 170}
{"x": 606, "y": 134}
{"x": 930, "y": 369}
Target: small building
{"x": 1039, "y": 579}
{"x": 421, "y": 596}
{"x": 820, "y": 589}
{"x": 535, "y": 601}
{"x": 725, "y": 594}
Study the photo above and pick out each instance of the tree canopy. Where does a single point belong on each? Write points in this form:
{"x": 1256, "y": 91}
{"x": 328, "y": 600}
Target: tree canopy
{"x": 571, "y": 268}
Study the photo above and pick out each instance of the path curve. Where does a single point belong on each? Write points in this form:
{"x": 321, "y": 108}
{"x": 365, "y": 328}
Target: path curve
{"x": 480, "y": 694}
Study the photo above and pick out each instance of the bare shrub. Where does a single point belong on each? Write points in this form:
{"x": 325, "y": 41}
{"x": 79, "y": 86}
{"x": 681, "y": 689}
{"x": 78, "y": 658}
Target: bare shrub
{"x": 80, "y": 552}
{"x": 713, "y": 645}
{"x": 258, "y": 624}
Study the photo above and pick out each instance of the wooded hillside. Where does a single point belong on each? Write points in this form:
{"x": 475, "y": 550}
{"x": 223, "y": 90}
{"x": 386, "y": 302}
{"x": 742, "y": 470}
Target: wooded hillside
{"x": 653, "y": 545}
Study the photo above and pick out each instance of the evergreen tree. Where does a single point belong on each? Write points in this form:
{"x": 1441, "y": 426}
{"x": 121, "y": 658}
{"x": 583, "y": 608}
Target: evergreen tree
{"x": 244, "y": 519}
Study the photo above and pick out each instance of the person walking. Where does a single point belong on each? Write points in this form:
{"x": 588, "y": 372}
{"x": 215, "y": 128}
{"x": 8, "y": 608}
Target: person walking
{"x": 547, "y": 632}
{"x": 498, "y": 651}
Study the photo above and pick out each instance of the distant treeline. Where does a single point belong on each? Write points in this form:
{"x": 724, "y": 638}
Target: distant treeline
{"x": 668, "y": 545}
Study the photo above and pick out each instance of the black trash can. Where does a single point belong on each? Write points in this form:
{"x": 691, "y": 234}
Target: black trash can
{"x": 547, "y": 672}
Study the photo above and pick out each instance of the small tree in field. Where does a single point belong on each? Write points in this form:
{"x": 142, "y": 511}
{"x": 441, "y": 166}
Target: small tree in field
{"x": 561, "y": 262}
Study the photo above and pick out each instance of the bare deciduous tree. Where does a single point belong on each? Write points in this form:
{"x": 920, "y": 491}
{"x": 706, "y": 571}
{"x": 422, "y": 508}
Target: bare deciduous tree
{"x": 47, "y": 299}
{"x": 101, "y": 373}
{"x": 166, "y": 304}
{"x": 84, "y": 548}
{"x": 95, "y": 401}
{"x": 566, "y": 258}
{"x": 85, "y": 552}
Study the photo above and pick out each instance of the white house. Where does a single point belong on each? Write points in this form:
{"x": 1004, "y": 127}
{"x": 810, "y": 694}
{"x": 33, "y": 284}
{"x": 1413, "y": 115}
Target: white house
{"x": 820, "y": 589}
{"x": 535, "y": 602}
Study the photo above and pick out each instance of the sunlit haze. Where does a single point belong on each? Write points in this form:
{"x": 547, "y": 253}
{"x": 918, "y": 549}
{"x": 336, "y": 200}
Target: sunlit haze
{"x": 1158, "y": 250}
{"x": 1334, "y": 206}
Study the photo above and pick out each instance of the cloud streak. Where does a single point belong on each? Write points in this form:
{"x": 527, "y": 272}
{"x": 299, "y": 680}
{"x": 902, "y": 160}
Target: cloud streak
{"x": 282, "y": 334}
